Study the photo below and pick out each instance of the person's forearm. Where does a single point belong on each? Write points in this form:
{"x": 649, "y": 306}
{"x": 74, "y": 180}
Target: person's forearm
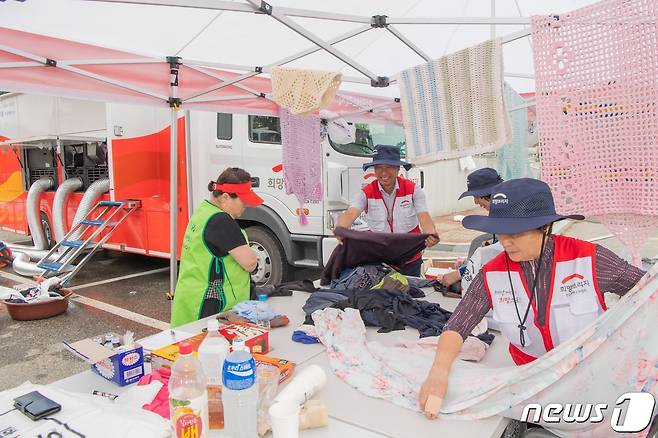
{"x": 347, "y": 218}
{"x": 447, "y": 350}
{"x": 426, "y": 223}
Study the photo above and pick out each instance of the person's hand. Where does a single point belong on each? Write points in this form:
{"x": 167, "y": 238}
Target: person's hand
{"x": 433, "y": 392}
{"x": 458, "y": 263}
{"x": 431, "y": 240}
{"x": 451, "y": 277}
{"x": 339, "y": 239}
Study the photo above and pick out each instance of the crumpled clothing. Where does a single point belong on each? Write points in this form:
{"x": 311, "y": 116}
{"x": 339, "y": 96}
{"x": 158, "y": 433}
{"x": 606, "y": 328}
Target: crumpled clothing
{"x": 284, "y": 289}
{"x": 472, "y": 350}
{"x": 366, "y": 247}
{"x": 248, "y": 309}
{"x": 160, "y": 404}
{"x": 360, "y": 277}
{"x": 303, "y": 338}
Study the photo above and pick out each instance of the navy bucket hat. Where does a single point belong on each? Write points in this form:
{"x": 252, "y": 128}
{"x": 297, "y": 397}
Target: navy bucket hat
{"x": 480, "y": 182}
{"x": 518, "y": 205}
{"x": 388, "y": 155}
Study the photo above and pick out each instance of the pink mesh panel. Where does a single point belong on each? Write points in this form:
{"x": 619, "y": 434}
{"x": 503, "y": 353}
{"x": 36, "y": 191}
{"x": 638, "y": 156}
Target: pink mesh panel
{"x": 302, "y": 158}
{"x": 596, "y": 75}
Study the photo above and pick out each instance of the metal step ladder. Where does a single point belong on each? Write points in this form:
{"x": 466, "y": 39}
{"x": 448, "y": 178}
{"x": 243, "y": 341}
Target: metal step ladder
{"x": 105, "y": 216}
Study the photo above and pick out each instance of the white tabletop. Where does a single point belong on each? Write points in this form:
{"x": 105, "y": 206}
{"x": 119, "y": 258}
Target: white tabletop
{"x": 352, "y": 414}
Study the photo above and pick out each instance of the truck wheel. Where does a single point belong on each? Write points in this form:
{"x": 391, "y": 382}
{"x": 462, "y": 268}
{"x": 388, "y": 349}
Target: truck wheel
{"x": 272, "y": 266}
{"x": 47, "y": 229}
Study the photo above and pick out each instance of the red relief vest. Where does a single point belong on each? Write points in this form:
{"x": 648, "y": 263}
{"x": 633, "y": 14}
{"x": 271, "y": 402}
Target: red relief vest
{"x": 574, "y": 299}
{"x": 403, "y": 216}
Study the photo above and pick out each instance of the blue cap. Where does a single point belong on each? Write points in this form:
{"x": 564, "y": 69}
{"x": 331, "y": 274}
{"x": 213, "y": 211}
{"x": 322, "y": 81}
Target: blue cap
{"x": 388, "y": 155}
{"x": 262, "y": 297}
{"x": 481, "y": 182}
{"x": 518, "y": 205}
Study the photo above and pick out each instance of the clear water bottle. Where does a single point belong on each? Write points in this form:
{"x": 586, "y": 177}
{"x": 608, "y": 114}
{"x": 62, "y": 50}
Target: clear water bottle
{"x": 240, "y": 393}
{"x": 212, "y": 353}
{"x": 188, "y": 399}
{"x": 263, "y": 312}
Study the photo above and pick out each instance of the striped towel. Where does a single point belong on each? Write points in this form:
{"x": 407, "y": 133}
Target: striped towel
{"x": 454, "y": 106}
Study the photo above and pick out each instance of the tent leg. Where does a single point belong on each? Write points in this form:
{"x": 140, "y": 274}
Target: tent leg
{"x": 173, "y": 201}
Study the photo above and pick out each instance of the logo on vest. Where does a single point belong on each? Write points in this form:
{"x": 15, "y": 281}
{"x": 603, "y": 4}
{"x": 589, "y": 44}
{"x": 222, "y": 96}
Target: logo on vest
{"x": 499, "y": 198}
{"x": 574, "y": 284}
{"x": 503, "y": 297}
{"x": 405, "y": 203}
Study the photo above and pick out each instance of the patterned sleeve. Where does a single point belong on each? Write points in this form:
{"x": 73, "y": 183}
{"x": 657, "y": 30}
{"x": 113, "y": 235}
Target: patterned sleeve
{"x": 471, "y": 309}
{"x": 613, "y": 273}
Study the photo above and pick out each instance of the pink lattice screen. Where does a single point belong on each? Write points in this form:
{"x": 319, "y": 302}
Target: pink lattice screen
{"x": 596, "y": 77}
{"x": 302, "y": 158}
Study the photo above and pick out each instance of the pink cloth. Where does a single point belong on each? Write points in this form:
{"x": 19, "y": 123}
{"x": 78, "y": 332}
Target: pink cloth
{"x": 302, "y": 158}
{"x": 160, "y": 404}
{"x": 473, "y": 349}
{"x": 597, "y": 108}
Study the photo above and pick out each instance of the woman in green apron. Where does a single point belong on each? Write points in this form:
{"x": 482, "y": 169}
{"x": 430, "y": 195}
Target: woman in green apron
{"x": 216, "y": 259}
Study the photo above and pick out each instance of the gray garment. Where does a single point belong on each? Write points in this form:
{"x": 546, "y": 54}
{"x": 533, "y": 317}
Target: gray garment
{"x": 479, "y": 242}
{"x": 419, "y": 200}
{"x": 321, "y": 300}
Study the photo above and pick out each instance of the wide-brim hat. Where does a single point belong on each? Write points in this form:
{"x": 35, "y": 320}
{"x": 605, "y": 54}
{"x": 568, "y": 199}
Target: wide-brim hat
{"x": 481, "y": 182}
{"x": 518, "y": 205}
{"x": 387, "y": 155}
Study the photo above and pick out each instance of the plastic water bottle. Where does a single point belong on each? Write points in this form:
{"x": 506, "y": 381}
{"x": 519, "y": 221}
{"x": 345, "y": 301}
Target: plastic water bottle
{"x": 188, "y": 399}
{"x": 262, "y": 312}
{"x": 212, "y": 353}
{"x": 240, "y": 393}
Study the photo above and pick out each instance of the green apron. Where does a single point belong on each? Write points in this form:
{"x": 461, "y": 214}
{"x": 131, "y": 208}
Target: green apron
{"x": 200, "y": 270}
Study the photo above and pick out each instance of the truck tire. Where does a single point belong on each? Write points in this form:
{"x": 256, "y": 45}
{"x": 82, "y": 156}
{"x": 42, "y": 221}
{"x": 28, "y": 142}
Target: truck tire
{"x": 272, "y": 267}
{"x": 47, "y": 229}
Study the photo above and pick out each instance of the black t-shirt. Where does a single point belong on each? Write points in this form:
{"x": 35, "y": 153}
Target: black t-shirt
{"x": 222, "y": 234}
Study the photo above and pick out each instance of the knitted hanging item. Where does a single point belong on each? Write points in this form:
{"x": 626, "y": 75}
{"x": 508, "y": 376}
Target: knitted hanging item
{"x": 302, "y": 158}
{"x": 596, "y": 74}
{"x": 512, "y": 161}
{"x": 454, "y": 106}
{"x": 303, "y": 91}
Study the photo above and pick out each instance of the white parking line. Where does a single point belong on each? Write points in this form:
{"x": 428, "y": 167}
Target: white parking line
{"x": 123, "y": 313}
{"x": 125, "y": 277}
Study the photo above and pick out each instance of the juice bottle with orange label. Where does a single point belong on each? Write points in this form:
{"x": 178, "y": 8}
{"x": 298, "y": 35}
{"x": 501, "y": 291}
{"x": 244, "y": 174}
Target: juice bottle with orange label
{"x": 188, "y": 398}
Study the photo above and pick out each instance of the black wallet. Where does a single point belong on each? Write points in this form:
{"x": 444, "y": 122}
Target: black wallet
{"x": 36, "y": 406}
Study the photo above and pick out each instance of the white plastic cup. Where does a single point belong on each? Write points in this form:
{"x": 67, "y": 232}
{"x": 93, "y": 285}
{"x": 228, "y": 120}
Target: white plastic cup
{"x": 303, "y": 386}
{"x": 284, "y": 417}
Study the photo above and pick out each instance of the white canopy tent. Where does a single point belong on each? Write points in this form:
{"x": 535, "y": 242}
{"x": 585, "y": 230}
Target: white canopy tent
{"x": 369, "y": 41}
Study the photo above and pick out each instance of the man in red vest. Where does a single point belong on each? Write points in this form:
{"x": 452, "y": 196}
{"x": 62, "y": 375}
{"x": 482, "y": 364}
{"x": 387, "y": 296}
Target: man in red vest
{"x": 393, "y": 204}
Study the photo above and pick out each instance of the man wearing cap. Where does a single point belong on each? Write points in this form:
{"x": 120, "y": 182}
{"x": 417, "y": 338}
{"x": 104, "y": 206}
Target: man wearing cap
{"x": 479, "y": 185}
{"x": 216, "y": 259}
{"x": 393, "y": 204}
{"x": 543, "y": 288}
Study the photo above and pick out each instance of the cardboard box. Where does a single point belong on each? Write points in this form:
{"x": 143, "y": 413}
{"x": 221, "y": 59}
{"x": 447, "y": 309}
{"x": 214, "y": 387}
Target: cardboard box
{"x": 167, "y": 355}
{"x": 433, "y": 273}
{"x": 121, "y": 368}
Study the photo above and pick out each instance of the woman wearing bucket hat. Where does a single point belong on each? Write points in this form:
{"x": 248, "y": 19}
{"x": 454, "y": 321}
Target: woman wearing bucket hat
{"x": 479, "y": 185}
{"x": 542, "y": 289}
{"x": 216, "y": 258}
{"x": 393, "y": 204}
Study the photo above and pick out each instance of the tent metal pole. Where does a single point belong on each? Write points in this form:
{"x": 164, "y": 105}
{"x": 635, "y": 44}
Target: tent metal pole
{"x": 192, "y": 4}
{"x": 110, "y": 61}
{"x": 515, "y": 36}
{"x": 519, "y": 75}
{"x": 174, "y": 103}
{"x": 527, "y": 104}
{"x": 460, "y": 20}
{"x": 408, "y": 43}
{"x": 221, "y": 98}
{"x": 20, "y": 64}
{"x": 492, "y": 26}
{"x": 286, "y": 21}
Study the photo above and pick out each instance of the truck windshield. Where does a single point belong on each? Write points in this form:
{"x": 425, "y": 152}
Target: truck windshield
{"x": 369, "y": 135}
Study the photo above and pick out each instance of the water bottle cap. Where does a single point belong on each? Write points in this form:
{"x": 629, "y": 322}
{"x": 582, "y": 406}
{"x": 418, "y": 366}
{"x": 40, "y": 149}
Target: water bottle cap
{"x": 185, "y": 348}
{"x": 213, "y": 325}
{"x": 239, "y": 345}
{"x": 262, "y": 297}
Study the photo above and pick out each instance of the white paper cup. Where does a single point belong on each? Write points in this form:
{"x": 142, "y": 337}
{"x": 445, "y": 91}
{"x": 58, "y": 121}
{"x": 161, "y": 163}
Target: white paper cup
{"x": 285, "y": 420}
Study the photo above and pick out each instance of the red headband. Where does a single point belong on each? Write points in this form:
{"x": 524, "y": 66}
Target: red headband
{"x": 232, "y": 188}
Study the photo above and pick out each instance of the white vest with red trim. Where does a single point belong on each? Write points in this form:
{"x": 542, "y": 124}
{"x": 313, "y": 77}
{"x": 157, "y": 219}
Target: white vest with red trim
{"x": 403, "y": 217}
{"x": 574, "y": 298}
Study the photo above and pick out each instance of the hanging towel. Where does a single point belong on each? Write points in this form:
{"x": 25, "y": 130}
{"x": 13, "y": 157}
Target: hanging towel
{"x": 303, "y": 91}
{"x": 453, "y": 106}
